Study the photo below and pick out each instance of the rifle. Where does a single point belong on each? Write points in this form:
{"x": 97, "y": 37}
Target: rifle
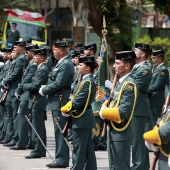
{"x": 105, "y": 123}
{"x": 3, "y": 98}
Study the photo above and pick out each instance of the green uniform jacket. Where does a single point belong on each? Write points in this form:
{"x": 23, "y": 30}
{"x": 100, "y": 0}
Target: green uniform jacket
{"x": 125, "y": 108}
{"x": 86, "y": 121}
{"x": 15, "y": 74}
{"x": 143, "y": 76}
{"x": 164, "y": 132}
{"x": 4, "y": 71}
{"x": 40, "y": 78}
{"x": 157, "y": 87}
{"x": 59, "y": 84}
{"x": 26, "y": 78}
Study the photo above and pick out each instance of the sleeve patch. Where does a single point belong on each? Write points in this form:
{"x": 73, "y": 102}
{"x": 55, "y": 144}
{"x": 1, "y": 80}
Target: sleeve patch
{"x": 145, "y": 72}
{"x": 162, "y": 73}
{"x": 130, "y": 87}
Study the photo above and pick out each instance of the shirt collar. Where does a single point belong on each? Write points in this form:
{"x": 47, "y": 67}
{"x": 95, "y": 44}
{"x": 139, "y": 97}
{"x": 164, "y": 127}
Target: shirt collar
{"x": 122, "y": 78}
{"x": 159, "y": 65}
{"x": 61, "y": 59}
{"x": 85, "y": 76}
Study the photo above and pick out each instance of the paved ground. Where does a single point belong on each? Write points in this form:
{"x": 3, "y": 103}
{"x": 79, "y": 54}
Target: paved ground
{"x": 15, "y": 160}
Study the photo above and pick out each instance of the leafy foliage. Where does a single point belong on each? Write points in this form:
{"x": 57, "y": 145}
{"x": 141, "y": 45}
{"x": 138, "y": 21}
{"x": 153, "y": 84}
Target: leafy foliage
{"x": 117, "y": 14}
{"x": 158, "y": 43}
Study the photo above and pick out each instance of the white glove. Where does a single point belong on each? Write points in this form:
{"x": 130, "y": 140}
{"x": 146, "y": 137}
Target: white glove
{"x": 40, "y": 92}
{"x": 108, "y": 84}
{"x": 5, "y": 85}
{"x": 2, "y": 90}
{"x": 169, "y": 161}
{"x": 65, "y": 114}
{"x": 154, "y": 148}
{"x": 17, "y": 95}
{"x": 148, "y": 145}
{"x": 151, "y": 147}
{"x": 101, "y": 109}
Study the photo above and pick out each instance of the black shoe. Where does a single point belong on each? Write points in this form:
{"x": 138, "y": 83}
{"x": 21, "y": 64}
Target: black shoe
{"x": 102, "y": 147}
{"x": 9, "y": 144}
{"x": 29, "y": 147}
{"x": 4, "y": 141}
{"x": 55, "y": 164}
{"x": 1, "y": 138}
{"x": 16, "y": 147}
{"x": 32, "y": 156}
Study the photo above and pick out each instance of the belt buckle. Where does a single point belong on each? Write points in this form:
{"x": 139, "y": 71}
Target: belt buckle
{"x": 34, "y": 98}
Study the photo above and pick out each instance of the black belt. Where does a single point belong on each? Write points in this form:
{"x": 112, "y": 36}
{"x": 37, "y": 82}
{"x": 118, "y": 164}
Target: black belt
{"x": 66, "y": 88}
{"x": 143, "y": 92}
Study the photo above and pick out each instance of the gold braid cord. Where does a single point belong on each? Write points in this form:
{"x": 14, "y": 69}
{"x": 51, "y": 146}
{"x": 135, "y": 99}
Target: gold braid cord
{"x": 160, "y": 147}
{"x": 117, "y": 104}
{"x": 96, "y": 131}
{"x": 77, "y": 92}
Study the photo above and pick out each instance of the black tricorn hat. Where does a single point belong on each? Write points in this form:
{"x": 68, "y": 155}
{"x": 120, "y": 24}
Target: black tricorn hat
{"x": 90, "y": 46}
{"x": 61, "y": 44}
{"x": 9, "y": 50}
{"x": 125, "y": 55}
{"x": 76, "y": 54}
{"x": 4, "y": 50}
{"x": 31, "y": 47}
{"x": 89, "y": 59}
{"x": 142, "y": 46}
{"x": 40, "y": 51}
{"x": 20, "y": 43}
{"x": 78, "y": 44}
{"x": 158, "y": 53}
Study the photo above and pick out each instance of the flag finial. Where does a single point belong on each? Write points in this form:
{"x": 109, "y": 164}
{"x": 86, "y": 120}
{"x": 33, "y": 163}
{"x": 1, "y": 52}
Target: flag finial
{"x": 104, "y": 31}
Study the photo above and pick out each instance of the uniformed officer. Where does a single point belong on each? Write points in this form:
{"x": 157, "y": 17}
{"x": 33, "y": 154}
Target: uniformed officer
{"x": 23, "y": 96}
{"x": 37, "y": 103}
{"x": 158, "y": 139}
{"x": 90, "y": 49}
{"x": 3, "y": 73}
{"x": 82, "y": 117}
{"x": 70, "y": 45}
{"x": 11, "y": 81}
{"x": 120, "y": 112}
{"x": 143, "y": 74}
{"x": 77, "y": 46}
{"x": 159, "y": 80}
{"x": 58, "y": 90}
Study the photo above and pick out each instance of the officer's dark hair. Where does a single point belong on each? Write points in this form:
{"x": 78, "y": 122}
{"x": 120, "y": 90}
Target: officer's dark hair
{"x": 94, "y": 49}
{"x": 92, "y": 65}
{"x": 131, "y": 62}
{"x": 147, "y": 52}
{"x": 161, "y": 56}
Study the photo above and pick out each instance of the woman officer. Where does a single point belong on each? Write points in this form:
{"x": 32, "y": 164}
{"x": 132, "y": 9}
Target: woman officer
{"x": 83, "y": 156}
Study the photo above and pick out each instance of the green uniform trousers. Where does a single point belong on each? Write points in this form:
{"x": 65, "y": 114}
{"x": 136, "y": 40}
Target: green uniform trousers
{"x": 139, "y": 150}
{"x": 23, "y": 126}
{"x": 83, "y": 156}
{"x": 39, "y": 125}
{"x": 119, "y": 154}
{"x": 61, "y": 150}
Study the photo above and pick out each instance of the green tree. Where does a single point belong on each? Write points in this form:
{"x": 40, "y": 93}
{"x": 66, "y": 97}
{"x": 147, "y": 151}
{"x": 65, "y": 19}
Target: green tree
{"x": 118, "y": 20}
{"x": 158, "y": 43}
